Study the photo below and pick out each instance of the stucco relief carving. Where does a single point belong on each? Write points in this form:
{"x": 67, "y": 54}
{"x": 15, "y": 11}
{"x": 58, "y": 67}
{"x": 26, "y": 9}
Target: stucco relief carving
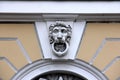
{"x": 60, "y": 35}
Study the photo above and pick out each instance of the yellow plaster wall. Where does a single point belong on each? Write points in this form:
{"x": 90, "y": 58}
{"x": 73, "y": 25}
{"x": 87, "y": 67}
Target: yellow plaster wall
{"x": 27, "y": 35}
{"x": 93, "y": 36}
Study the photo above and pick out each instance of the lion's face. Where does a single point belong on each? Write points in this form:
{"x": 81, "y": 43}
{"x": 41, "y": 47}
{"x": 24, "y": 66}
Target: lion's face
{"x": 60, "y": 36}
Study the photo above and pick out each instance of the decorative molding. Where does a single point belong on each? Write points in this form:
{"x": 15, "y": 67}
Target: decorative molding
{"x": 42, "y": 31}
{"x": 59, "y": 38}
{"x": 111, "y": 63}
{"x": 36, "y": 17}
{"x": 94, "y": 7}
{"x": 101, "y": 47}
{"x": 59, "y": 76}
{"x": 77, "y": 67}
{"x": 9, "y": 64}
{"x": 24, "y": 52}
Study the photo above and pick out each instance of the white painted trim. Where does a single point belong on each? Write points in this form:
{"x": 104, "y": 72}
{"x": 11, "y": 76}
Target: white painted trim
{"x": 101, "y": 47}
{"x": 43, "y": 39}
{"x": 77, "y": 32}
{"x": 29, "y": 17}
{"x": 9, "y": 64}
{"x": 44, "y": 66}
{"x": 24, "y": 52}
{"x": 85, "y": 7}
{"x": 60, "y": 67}
{"x": 110, "y": 64}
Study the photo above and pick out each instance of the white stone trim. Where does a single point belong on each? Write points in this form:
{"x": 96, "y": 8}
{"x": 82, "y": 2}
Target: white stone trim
{"x": 84, "y": 7}
{"x": 44, "y": 66}
{"x": 42, "y": 32}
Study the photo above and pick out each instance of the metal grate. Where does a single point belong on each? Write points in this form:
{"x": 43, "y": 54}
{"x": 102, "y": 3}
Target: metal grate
{"x": 58, "y": 76}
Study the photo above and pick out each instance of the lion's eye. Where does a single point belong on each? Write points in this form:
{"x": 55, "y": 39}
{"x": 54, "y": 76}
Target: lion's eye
{"x": 64, "y": 31}
{"x": 55, "y": 31}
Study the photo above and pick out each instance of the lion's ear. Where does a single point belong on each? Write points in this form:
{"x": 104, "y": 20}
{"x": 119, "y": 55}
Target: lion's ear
{"x": 68, "y": 39}
{"x": 69, "y": 28}
{"x": 51, "y": 39}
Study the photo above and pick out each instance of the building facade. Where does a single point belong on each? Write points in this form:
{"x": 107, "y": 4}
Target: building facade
{"x": 59, "y": 40}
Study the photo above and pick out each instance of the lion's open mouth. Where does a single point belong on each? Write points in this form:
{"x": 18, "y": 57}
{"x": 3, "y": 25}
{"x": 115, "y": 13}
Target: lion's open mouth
{"x": 60, "y": 46}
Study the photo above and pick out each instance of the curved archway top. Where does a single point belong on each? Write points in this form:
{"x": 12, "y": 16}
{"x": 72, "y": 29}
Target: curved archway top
{"x": 77, "y": 67}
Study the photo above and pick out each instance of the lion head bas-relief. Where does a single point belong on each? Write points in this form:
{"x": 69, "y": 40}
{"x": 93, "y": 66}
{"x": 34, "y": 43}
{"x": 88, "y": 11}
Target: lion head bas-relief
{"x": 60, "y": 35}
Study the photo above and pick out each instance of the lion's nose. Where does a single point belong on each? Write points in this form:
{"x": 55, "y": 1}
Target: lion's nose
{"x": 59, "y": 35}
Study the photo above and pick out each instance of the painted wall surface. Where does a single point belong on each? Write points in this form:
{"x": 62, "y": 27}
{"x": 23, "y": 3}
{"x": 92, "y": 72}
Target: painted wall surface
{"x": 10, "y": 49}
{"x": 95, "y": 34}
{"x": 104, "y": 39}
